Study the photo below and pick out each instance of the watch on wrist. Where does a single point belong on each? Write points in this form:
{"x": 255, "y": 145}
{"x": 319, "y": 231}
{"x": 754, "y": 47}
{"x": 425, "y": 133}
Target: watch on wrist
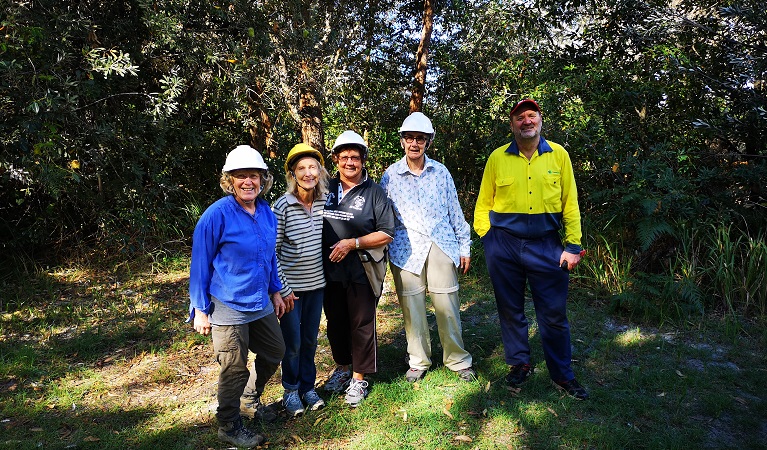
{"x": 356, "y": 243}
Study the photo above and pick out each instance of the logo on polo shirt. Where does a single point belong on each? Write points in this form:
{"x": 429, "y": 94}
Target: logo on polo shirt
{"x": 330, "y": 199}
{"x": 359, "y": 203}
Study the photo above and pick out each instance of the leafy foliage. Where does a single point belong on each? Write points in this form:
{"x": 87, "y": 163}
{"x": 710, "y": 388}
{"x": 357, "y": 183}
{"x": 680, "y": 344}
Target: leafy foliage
{"x": 115, "y": 116}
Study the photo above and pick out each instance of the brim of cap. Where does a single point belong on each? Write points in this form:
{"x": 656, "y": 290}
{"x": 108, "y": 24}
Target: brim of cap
{"x": 526, "y": 103}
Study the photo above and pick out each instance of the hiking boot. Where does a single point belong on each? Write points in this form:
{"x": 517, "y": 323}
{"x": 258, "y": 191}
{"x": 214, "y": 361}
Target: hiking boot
{"x": 467, "y": 374}
{"x": 338, "y": 381}
{"x": 518, "y": 375}
{"x": 292, "y": 403}
{"x": 573, "y": 389}
{"x": 253, "y": 408}
{"x": 235, "y": 433}
{"x": 413, "y": 375}
{"x": 313, "y": 400}
{"x": 356, "y": 392}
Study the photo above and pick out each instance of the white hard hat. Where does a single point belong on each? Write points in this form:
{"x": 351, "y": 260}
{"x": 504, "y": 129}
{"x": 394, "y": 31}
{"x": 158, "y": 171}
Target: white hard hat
{"x": 244, "y": 157}
{"x": 349, "y": 137}
{"x": 417, "y": 121}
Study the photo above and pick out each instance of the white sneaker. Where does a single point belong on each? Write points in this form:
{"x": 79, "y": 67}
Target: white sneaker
{"x": 356, "y": 392}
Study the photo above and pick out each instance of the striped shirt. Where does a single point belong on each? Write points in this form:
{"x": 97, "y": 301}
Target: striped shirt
{"x": 299, "y": 244}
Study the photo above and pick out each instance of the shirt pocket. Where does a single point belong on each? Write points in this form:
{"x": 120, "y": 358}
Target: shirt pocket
{"x": 552, "y": 191}
{"x": 505, "y": 194}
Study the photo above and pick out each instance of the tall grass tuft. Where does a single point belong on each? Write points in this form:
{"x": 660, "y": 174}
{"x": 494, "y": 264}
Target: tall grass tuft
{"x": 737, "y": 269}
{"x": 606, "y": 268}
{"x": 724, "y": 271}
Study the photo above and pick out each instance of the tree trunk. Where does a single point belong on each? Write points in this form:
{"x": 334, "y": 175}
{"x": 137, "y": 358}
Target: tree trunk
{"x": 310, "y": 112}
{"x": 421, "y": 57}
{"x": 261, "y": 130}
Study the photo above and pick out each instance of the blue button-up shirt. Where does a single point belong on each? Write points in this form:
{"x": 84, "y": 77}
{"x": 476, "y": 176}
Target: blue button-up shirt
{"x": 426, "y": 211}
{"x": 233, "y": 257}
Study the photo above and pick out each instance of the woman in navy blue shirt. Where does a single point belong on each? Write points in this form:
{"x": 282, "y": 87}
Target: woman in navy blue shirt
{"x": 234, "y": 287}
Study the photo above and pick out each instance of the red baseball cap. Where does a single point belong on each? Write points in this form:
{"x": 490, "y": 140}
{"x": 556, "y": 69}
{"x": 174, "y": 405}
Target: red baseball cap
{"x": 526, "y": 102}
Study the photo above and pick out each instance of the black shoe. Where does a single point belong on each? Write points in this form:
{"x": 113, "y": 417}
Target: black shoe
{"x": 518, "y": 375}
{"x": 467, "y": 374}
{"x": 573, "y": 389}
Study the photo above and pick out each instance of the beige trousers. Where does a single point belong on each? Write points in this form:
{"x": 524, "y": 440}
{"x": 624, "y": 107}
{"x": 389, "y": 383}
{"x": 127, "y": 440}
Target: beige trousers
{"x": 441, "y": 276}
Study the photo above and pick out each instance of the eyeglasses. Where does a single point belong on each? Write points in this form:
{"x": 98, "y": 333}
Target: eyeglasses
{"x": 420, "y": 139}
{"x": 344, "y": 159}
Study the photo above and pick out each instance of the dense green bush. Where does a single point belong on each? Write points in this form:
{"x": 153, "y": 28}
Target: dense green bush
{"x": 115, "y": 118}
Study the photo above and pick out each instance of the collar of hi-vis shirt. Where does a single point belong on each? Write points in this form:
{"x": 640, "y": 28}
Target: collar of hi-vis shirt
{"x": 341, "y": 185}
{"x": 543, "y": 147}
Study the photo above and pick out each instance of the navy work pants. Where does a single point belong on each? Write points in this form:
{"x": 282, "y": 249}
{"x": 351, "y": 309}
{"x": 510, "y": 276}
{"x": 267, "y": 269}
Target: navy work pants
{"x": 512, "y": 262}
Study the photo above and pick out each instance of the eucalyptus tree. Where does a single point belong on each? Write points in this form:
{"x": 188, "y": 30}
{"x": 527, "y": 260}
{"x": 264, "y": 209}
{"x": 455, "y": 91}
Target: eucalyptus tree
{"x": 116, "y": 115}
{"x": 314, "y": 44}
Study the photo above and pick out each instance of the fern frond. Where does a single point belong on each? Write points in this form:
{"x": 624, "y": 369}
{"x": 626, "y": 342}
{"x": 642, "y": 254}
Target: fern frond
{"x": 648, "y": 230}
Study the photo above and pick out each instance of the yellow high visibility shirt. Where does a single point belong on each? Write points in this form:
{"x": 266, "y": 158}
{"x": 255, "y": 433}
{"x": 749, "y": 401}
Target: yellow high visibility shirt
{"x": 530, "y": 198}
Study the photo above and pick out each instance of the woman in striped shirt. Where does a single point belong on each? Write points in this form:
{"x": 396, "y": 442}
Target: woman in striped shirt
{"x": 299, "y": 257}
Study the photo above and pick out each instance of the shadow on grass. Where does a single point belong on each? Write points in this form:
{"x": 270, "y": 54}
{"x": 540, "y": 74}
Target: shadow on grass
{"x": 648, "y": 390}
{"x": 74, "y": 324}
{"x": 134, "y": 429}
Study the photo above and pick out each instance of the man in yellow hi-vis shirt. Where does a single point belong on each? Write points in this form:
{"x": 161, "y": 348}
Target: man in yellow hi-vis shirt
{"x": 527, "y": 195}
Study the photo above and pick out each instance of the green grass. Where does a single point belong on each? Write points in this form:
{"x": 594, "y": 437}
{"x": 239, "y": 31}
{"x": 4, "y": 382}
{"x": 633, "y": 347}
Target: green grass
{"x": 102, "y": 359}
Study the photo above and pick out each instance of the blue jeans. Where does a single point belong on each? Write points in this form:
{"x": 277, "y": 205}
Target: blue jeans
{"x": 299, "y": 330}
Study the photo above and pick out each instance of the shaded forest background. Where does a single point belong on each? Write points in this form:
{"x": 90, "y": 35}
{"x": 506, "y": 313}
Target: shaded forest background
{"x": 116, "y": 117}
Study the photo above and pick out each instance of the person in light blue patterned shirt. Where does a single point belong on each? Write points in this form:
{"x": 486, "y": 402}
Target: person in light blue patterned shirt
{"x": 431, "y": 243}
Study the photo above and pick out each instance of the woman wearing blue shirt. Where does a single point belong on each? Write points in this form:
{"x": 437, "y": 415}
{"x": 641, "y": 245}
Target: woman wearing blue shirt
{"x": 234, "y": 287}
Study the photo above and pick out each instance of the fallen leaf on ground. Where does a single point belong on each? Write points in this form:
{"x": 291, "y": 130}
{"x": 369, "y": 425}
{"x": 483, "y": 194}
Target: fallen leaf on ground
{"x": 447, "y": 413}
{"x": 463, "y": 438}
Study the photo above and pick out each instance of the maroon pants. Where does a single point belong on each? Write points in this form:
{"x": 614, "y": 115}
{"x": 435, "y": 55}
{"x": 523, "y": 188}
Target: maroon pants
{"x": 351, "y": 314}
